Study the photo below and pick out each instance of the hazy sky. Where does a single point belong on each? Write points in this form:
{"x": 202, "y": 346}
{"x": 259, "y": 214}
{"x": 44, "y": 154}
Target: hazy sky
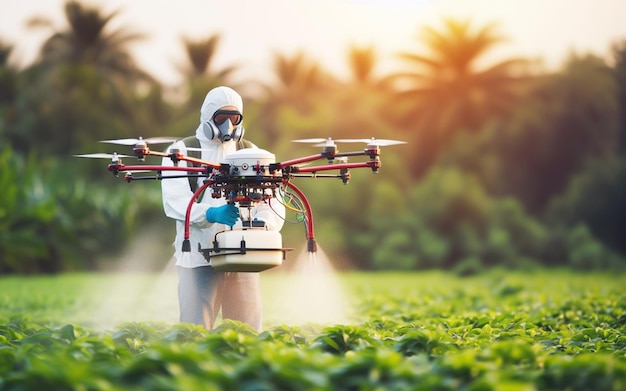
{"x": 254, "y": 29}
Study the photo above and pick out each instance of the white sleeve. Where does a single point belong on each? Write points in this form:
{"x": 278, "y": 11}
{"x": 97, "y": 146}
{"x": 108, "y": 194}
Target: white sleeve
{"x": 272, "y": 212}
{"x": 176, "y": 194}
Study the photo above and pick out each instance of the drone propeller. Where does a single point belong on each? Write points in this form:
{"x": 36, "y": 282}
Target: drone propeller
{"x": 169, "y": 150}
{"x": 102, "y": 155}
{"x": 311, "y": 140}
{"x": 323, "y": 142}
{"x": 133, "y": 141}
{"x": 372, "y": 141}
{"x": 317, "y": 142}
{"x": 137, "y": 171}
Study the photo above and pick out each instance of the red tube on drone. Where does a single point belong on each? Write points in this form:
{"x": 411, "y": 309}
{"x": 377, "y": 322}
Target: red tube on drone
{"x": 201, "y": 189}
{"x": 310, "y": 237}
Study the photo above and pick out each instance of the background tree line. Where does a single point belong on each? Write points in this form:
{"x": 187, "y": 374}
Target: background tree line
{"x": 506, "y": 165}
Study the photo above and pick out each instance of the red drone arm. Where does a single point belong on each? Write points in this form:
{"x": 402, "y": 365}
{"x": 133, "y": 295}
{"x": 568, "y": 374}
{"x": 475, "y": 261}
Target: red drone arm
{"x": 374, "y": 165}
{"x": 175, "y": 156}
{"x": 301, "y": 160}
{"x": 121, "y": 167}
{"x": 201, "y": 189}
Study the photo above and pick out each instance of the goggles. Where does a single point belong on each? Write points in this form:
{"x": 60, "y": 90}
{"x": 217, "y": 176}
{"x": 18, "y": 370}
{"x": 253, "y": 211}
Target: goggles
{"x": 221, "y": 116}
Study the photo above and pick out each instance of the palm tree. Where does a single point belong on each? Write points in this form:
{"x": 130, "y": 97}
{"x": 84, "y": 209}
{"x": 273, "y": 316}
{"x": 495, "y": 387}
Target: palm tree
{"x": 85, "y": 85}
{"x": 8, "y": 75}
{"x": 298, "y": 78}
{"x": 299, "y": 81}
{"x": 85, "y": 41}
{"x": 9, "y": 87}
{"x": 201, "y": 54}
{"x": 362, "y": 62}
{"x": 358, "y": 107}
{"x": 619, "y": 69}
{"x": 447, "y": 91}
{"x": 199, "y": 72}
{"x": 200, "y": 76}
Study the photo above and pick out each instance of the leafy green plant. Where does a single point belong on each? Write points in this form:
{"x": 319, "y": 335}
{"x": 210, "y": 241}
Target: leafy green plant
{"x": 501, "y": 330}
{"x": 52, "y": 220}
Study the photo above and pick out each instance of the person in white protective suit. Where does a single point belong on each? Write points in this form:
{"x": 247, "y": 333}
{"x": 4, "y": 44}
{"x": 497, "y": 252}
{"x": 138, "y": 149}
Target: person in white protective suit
{"x": 203, "y": 291}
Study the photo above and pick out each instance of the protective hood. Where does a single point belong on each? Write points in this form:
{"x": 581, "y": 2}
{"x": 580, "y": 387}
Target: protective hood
{"x": 214, "y": 100}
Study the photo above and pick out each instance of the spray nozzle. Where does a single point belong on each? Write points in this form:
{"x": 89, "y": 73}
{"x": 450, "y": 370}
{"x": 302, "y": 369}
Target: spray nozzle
{"x": 186, "y": 246}
{"x": 311, "y": 245}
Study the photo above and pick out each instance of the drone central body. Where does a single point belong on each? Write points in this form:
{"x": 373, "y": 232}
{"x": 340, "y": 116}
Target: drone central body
{"x": 247, "y": 177}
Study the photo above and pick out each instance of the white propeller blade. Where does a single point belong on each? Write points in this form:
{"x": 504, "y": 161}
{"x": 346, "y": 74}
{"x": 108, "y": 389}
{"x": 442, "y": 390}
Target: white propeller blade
{"x": 136, "y": 171}
{"x": 311, "y": 140}
{"x": 372, "y": 141}
{"x": 322, "y": 142}
{"x": 169, "y": 150}
{"x": 133, "y": 141}
{"x": 102, "y": 155}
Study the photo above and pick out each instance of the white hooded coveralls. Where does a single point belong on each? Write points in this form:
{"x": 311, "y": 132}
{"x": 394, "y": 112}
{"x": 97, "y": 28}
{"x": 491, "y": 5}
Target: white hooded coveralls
{"x": 203, "y": 291}
{"x": 177, "y": 193}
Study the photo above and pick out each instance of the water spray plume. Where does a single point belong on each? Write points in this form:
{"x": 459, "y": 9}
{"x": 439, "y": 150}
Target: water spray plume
{"x": 185, "y": 258}
{"x": 133, "y": 290}
{"x": 310, "y": 293}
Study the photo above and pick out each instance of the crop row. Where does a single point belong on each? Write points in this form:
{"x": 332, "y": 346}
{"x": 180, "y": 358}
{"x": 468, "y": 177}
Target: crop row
{"x": 466, "y": 334}
{"x": 145, "y": 356}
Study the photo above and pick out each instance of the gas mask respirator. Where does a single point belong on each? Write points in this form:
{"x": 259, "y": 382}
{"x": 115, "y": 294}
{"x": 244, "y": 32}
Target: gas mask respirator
{"x": 226, "y": 131}
{"x": 226, "y": 125}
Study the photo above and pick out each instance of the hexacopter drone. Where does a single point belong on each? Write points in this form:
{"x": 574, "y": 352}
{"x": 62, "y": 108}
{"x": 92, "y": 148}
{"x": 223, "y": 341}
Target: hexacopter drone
{"x": 246, "y": 177}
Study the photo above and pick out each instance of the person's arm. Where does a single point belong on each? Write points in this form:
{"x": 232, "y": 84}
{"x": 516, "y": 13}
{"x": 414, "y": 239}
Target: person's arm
{"x": 272, "y": 212}
{"x": 176, "y": 194}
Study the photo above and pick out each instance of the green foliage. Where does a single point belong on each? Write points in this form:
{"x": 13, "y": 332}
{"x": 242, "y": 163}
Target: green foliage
{"x": 26, "y": 206}
{"x": 451, "y": 222}
{"x": 543, "y": 330}
{"x": 567, "y": 120}
{"x": 52, "y": 221}
{"x": 596, "y": 197}
{"x": 488, "y": 151}
{"x": 73, "y": 106}
{"x": 446, "y": 91}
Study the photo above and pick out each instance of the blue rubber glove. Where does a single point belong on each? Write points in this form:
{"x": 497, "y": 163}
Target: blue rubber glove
{"x": 225, "y": 214}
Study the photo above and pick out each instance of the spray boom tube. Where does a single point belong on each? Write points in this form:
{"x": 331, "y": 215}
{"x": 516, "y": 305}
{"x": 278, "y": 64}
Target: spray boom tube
{"x": 310, "y": 237}
{"x": 186, "y": 244}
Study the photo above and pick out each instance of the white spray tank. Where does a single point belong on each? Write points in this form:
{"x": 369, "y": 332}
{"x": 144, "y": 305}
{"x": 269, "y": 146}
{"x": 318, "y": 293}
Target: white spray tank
{"x": 252, "y": 247}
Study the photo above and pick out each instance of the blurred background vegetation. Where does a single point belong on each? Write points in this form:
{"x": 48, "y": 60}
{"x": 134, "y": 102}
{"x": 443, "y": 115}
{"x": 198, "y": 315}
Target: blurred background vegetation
{"x": 506, "y": 164}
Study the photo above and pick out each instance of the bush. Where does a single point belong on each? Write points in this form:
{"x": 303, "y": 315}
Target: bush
{"x": 53, "y": 219}
{"x": 453, "y": 223}
{"x": 596, "y": 197}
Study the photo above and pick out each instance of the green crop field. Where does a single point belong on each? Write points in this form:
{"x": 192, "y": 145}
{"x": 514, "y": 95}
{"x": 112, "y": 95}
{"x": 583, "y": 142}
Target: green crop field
{"x": 542, "y": 330}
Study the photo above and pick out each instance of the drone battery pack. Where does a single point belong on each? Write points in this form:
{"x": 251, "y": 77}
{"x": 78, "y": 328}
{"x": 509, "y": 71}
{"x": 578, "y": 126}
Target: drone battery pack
{"x": 247, "y": 250}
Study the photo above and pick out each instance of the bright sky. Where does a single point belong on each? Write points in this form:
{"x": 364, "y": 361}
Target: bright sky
{"x": 254, "y": 29}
